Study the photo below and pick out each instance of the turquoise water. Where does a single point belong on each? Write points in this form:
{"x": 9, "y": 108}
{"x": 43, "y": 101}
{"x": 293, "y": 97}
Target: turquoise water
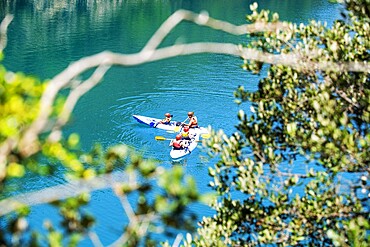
{"x": 45, "y": 37}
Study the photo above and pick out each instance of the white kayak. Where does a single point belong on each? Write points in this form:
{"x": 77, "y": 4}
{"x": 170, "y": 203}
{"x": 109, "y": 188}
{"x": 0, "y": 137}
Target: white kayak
{"x": 180, "y": 153}
{"x": 173, "y": 126}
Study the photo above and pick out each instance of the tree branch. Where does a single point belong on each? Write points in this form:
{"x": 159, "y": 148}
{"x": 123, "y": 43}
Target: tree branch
{"x": 60, "y": 192}
{"x": 29, "y": 145}
{"x": 3, "y": 31}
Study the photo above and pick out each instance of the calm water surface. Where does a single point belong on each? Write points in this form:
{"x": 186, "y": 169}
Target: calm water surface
{"x": 46, "y": 36}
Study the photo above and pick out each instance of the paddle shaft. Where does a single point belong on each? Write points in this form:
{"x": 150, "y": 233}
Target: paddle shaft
{"x": 182, "y": 125}
{"x": 162, "y": 138}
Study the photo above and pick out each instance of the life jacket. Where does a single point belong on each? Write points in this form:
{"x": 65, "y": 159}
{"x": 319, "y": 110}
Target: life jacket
{"x": 167, "y": 120}
{"x": 193, "y": 122}
{"x": 185, "y": 134}
{"x": 176, "y": 145}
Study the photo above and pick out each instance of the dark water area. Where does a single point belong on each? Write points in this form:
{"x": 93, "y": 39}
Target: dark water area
{"x": 46, "y": 36}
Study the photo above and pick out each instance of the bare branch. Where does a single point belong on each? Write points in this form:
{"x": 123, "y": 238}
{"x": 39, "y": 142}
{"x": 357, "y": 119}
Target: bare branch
{"x": 127, "y": 207}
{"x": 95, "y": 239}
{"x": 3, "y": 31}
{"x": 344, "y": 96}
{"x": 28, "y": 145}
{"x": 103, "y": 61}
{"x": 9, "y": 144}
{"x": 109, "y": 58}
{"x": 79, "y": 91}
{"x": 203, "y": 19}
{"x": 60, "y": 192}
{"x": 178, "y": 239}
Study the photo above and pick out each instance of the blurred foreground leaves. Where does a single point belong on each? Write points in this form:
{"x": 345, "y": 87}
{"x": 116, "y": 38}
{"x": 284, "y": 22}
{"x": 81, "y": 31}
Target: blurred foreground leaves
{"x": 58, "y": 156}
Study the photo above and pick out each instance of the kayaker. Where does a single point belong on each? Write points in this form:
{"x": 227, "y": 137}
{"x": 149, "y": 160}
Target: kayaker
{"x": 193, "y": 120}
{"x": 185, "y": 133}
{"x": 166, "y": 120}
{"x": 178, "y": 143}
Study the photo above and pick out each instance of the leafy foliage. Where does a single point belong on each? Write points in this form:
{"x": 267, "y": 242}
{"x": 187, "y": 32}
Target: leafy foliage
{"x": 281, "y": 178}
{"x": 20, "y": 98}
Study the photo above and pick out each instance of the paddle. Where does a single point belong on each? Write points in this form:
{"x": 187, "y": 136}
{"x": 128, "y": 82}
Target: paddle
{"x": 177, "y": 128}
{"x": 205, "y": 136}
{"x": 162, "y": 138}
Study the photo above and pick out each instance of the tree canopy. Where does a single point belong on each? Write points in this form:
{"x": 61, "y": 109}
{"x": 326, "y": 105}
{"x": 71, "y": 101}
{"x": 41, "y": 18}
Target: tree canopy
{"x": 282, "y": 177}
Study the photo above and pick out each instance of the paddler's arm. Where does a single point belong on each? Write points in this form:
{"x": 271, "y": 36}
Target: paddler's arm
{"x": 184, "y": 123}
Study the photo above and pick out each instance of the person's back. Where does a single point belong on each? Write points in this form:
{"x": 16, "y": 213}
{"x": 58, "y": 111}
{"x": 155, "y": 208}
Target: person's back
{"x": 177, "y": 144}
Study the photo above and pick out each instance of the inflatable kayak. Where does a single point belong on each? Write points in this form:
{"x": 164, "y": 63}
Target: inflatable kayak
{"x": 154, "y": 122}
{"x": 180, "y": 153}
{"x": 173, "y": 126}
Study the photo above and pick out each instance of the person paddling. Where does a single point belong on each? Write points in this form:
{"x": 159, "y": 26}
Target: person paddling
{"x": 193, "y": 120}
{"x": 166, "y": 120}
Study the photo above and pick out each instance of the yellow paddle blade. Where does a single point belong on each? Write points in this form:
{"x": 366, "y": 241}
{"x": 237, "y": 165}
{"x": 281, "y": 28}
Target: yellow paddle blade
{"x": 160, "y": 138}
{"x": 176, "y": 129}
{"x": 205, "y": 136}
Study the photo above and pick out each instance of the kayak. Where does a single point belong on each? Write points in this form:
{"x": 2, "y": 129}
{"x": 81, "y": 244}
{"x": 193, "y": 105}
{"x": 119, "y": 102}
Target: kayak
{"x": 152, "y": 122}
{"x": 172, "y": 126}
{"x": 180, "y": 153}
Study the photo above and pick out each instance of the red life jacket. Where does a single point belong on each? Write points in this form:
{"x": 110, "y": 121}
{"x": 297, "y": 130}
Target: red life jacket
{"x": 176, "y": 145}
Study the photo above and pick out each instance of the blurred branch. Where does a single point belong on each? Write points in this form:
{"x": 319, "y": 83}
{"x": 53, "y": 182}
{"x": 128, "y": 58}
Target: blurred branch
{"x": 59, "y": 192}
{"x": 203, "y": 19}
{"x": 79, "y": 91}
{"x": 3, "y": 31}
{"x": 29, "y": 145}
{"x": 137, "y": 223}
{"x": 8, "y": 145}
{"x": 95, "y": 239}
{"x": 150, "y": 53}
